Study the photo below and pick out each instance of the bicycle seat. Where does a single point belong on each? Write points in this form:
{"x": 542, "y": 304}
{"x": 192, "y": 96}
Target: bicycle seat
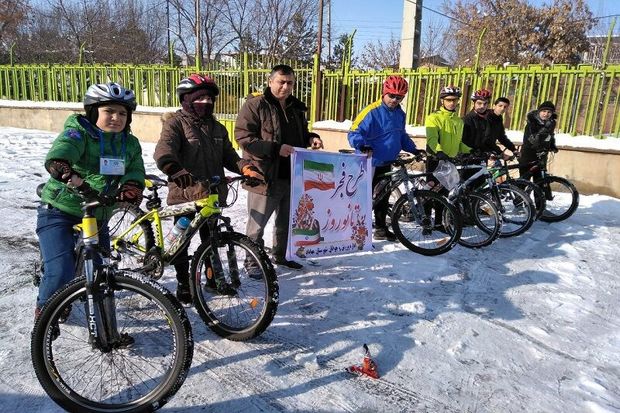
{"x": 155, "y": 181}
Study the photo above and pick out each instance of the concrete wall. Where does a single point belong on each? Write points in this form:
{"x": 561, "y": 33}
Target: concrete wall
{"x": 591, "y": 170}
{"x": 145, "y": 125}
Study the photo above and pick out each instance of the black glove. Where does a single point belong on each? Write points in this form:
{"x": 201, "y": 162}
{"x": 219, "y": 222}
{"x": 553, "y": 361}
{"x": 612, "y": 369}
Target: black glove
{"x": 365, "y": 148}
{"x": 183, "y": 179}
{"x": 441, "y": 156}
{"x": 130, "y": 192}
{"x": 554, "y": 149}
{"x": 60, "y": 170}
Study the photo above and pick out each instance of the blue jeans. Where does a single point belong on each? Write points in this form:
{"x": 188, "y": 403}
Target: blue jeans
{"x": 57, "y": 244}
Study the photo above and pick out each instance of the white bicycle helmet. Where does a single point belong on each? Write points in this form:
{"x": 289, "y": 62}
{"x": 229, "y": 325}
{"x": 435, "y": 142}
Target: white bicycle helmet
{"x": 101, "y": 93}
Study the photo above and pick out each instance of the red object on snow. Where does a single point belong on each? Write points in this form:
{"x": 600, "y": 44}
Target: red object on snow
{"x": 368, "y": 367}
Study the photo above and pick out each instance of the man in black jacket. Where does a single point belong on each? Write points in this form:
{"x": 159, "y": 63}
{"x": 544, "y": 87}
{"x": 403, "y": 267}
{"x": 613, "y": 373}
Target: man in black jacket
{"x": 478, "y": 132}
{"x": 496, "y": 122}
{"x": 268, "y": 129}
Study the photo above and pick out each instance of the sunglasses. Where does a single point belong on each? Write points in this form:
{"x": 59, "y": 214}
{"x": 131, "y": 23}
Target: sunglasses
{"x": 451, "y": 99}
{"x": 395, "y": 97}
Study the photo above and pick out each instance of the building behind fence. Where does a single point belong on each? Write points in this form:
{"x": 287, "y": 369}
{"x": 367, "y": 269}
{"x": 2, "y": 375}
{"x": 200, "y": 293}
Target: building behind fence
{"x": 586, "y": 97}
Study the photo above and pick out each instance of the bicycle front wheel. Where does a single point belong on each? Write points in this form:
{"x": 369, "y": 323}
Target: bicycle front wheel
{"x": 140, "y": 376}
{"x": 535, "y": 193}
{"x": 517, "y": 209}
{"x": 482, "y": 221}
{"x": 430, "y": 227}
{"x": 562, "y": 198}
{"x": 234, "y": 289}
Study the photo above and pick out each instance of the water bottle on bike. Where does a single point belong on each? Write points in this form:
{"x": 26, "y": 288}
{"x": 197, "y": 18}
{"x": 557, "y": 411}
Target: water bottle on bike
{"x": 179, "y": 229}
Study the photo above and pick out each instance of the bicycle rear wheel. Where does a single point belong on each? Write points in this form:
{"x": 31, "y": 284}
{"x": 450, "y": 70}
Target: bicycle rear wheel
{"x": 431, "y": 227}
{"x": 516, "y": 207}
{"x": 482, "y": 221}
{"x": 562, "y": 198}
{"x": 132, "y": 248}
{"x": 141, "y": 376}
{"x": 250, "y": 305}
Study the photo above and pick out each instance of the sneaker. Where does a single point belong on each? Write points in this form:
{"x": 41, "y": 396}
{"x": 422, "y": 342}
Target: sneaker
{"x": 124, "y": 341}
{"x": 255, "y": 273}
{"x": 383, "y": 233}
{"x": 64, "y": 315}
{"x": 286, "y": 263}
{"x": 226, "y": 289}
{"x": 183, "y": 294}
{"x": 55, "y": 330}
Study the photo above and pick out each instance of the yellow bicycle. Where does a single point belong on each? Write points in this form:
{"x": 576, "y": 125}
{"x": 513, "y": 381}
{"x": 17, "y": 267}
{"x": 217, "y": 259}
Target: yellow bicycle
{"x": 232, "y": 281}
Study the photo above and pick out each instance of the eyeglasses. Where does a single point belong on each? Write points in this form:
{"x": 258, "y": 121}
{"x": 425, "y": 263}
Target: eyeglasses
{"x": 395, "y": 97}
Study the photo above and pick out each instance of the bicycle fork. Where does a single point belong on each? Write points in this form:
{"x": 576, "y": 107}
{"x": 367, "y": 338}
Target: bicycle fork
{"x": 100, "y": 305}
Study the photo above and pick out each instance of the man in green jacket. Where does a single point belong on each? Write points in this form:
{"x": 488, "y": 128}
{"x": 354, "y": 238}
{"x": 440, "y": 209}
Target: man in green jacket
{"x": 444, "y": 129}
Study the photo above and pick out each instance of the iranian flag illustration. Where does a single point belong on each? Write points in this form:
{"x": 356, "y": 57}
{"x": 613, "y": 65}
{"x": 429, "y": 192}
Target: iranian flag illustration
{"x": 318, "y": 175}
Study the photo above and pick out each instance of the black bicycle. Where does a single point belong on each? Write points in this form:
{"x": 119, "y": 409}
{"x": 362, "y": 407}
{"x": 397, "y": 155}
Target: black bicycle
{"x": 110, "y": 340}
{"x": 561, "y": 196}
{"x": 423, "y": 221}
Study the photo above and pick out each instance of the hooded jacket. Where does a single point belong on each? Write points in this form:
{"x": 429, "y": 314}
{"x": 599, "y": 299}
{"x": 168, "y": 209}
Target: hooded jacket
{"x": 383, "y": 129}
{"x": 202, "y": 147}
{"x": 79, "y": 144}
{"x": 259, "y": 133}
{"x": 444, "y": 132}
{"x": 538, "y": 136}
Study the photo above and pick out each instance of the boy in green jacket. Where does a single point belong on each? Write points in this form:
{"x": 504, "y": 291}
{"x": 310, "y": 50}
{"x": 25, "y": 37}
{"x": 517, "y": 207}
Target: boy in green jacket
{"x": 96, "y": 148}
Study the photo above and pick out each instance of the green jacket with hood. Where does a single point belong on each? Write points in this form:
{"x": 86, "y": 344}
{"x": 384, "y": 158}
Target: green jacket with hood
{"x": 79, "y": 145}
{"x": 444, "y": 132}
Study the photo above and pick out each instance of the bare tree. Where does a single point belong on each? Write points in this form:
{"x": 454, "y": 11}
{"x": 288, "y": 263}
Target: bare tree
{"x": 12, "y": 14}
{"x": 437, "y": 41}
{"x": 380, "y": 55}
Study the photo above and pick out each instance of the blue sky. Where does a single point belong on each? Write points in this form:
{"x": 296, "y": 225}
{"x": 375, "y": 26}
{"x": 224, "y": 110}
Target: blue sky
{"x": 375, "y": 19}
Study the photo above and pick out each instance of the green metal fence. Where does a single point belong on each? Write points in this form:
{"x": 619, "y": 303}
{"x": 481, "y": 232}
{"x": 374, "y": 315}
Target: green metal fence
{"x": 587, "y": 98}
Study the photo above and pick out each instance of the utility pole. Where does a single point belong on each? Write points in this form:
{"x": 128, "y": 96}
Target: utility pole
{"x": 319, "y": 45}
{"x": 411, "y": 34}
{"x": 170, "y": 56}
{"x": 198, "y": 37}
{"x": 329, "y": 31}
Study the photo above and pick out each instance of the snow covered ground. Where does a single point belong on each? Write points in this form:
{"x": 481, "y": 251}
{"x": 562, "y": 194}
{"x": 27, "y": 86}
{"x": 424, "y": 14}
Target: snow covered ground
{"x": 528, "y": 324}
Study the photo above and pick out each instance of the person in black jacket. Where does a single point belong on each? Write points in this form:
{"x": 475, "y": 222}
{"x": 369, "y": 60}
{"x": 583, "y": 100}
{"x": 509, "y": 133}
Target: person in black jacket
{"x": 269, "y": 128}
{"x": 539, "y": 135}
{"x": 496, "y": 122}
{"x": 478, "y": 133}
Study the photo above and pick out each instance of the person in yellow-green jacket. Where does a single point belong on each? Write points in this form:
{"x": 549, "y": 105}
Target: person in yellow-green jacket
{"x": 96, "y": 149}
{"x": 444, "y": 129}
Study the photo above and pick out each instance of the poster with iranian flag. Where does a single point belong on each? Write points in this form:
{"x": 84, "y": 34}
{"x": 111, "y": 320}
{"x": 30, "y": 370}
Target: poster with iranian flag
{"x": 331, "y": 204}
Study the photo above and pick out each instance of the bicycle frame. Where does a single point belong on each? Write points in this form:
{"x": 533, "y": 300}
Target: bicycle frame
{"x": 206, "y": 207}
{"x": 393, "y": 179}
{"x": 462, "y": 186}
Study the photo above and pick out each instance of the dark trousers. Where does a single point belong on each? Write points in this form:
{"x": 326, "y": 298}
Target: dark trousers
{"x": 181, "y": 261}
{"x": 380, "y": 209}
